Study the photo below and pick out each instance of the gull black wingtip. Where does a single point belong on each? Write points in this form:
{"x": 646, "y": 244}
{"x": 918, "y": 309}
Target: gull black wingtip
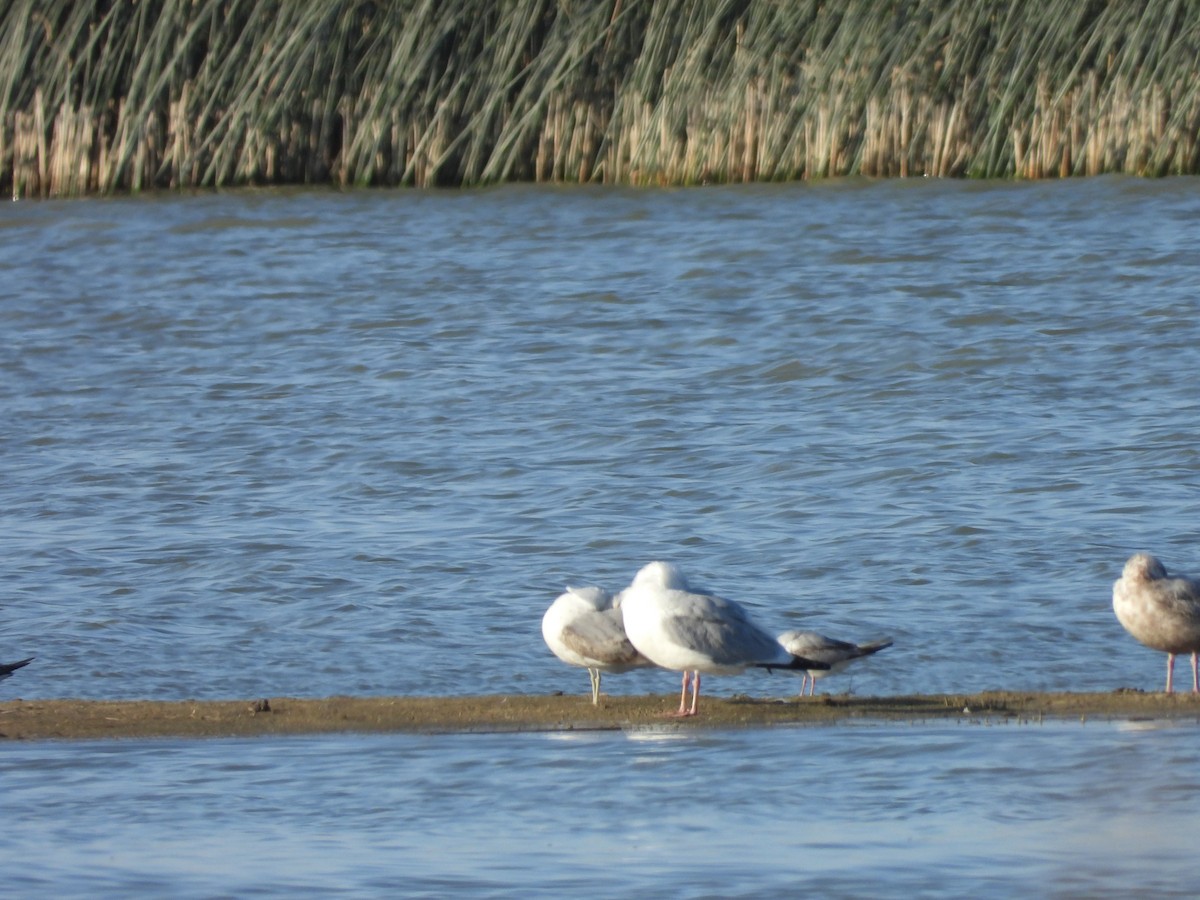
{"x": 875, "y": 646}
{"x": 796, "y": 663}
{"x": 7, "y": 669}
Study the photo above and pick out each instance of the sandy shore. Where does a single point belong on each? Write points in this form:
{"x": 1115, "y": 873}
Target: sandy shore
{"x": 90, "y": 719}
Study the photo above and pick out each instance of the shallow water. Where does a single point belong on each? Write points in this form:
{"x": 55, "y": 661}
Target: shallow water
{"x": 316, "y": 443}
{"x": 1053, "y": 810}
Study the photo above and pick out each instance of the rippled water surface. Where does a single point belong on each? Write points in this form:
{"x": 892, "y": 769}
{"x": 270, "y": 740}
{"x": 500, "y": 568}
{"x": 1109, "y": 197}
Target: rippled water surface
{"x": 1065, "y": 810}
{"x": 316, "y": 443}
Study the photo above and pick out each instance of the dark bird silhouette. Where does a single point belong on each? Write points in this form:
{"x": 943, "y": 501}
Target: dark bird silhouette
{"x": 6, "y": 669}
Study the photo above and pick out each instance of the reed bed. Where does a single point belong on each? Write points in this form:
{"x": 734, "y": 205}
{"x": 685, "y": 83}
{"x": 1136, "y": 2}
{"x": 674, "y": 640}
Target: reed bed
{"x": 107, "y": 96}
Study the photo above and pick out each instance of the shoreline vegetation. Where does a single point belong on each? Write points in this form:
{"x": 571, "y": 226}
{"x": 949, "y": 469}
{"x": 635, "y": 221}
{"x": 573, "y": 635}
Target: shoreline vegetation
{"x": 101, "y": 96}
{"x": 102, "y": 719}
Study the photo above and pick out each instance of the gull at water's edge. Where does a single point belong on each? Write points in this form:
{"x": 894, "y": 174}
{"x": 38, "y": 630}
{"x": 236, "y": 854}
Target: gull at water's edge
{"x": 679, "y": 629}
{"x": 1161, "y": 612}
{"x": 583, "y": 627}
{"x": 838, "y": 654}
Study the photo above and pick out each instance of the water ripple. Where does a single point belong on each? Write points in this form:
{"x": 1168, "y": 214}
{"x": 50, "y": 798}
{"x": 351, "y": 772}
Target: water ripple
{"x": 316, "y": 443}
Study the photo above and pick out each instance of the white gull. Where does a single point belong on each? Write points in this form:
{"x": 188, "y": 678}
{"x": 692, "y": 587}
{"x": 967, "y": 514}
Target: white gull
{"x": 677, "y": 628}
{"x": 1161, "y": 612}
{"x": 583, "y": 627}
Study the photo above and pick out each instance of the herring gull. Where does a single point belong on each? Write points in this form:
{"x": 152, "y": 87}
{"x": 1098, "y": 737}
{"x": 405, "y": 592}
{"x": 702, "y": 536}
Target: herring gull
{"x": 838, "y": 654}
{"x": 677, "y": 628}
{"x": 583, "y": 628}
{"x": 1161, "y": 612}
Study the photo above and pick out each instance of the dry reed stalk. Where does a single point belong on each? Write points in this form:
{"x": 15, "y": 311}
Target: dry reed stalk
{"x": 103, "y": 96}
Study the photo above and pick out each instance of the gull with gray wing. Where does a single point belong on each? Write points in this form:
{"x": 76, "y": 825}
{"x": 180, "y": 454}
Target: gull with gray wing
{"x": 838, "y": 654}
{"x": 681, "y": 629}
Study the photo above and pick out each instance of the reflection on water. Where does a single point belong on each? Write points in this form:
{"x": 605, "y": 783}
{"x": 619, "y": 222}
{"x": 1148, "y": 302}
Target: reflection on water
{"x": 1056, "y": 809}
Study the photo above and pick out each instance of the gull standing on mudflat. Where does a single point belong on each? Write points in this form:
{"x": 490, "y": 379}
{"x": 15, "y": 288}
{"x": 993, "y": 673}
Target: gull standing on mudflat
{"x": 689, "y": 632}
{"x": 838, "y": 654}
{"x": 1161, "y": 612}
{"x": 583, "y": 627}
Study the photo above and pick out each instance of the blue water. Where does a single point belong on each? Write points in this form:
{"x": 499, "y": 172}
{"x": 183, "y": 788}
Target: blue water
{"x": 1052, "y": 810}
{"x": 267, "y": 444}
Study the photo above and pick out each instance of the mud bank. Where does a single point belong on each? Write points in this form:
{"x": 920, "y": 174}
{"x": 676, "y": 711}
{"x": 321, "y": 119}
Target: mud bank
{"x": 92, "y": 719}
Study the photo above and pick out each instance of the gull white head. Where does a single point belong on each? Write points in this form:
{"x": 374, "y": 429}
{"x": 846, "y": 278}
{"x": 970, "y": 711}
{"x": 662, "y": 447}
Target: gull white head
{"x": 595, "y": 597}
{"x": 661, "y": 575}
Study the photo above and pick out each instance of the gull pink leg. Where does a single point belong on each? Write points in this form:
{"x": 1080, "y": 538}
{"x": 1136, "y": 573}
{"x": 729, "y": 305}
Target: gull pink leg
{"x": 1170, "y": 670}
{"x": 694, "y": 678}
{"x": 1195, "y": 675}
{"x": 683, "y": 694}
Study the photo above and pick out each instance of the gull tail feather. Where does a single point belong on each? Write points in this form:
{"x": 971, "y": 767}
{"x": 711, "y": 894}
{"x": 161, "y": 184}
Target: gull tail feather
{"x": 874, "y": 646}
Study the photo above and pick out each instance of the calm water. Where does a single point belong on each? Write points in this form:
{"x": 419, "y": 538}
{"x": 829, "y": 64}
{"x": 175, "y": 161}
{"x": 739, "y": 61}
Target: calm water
{"x": 271, "y": 444}
{"x": 844, "y": 811}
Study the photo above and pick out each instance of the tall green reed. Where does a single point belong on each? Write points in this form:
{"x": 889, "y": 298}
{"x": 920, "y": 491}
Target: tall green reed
{"x": 104, "y": 95}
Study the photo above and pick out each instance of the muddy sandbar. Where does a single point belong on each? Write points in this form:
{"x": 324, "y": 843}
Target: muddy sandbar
{"x": 90, "y": 719}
